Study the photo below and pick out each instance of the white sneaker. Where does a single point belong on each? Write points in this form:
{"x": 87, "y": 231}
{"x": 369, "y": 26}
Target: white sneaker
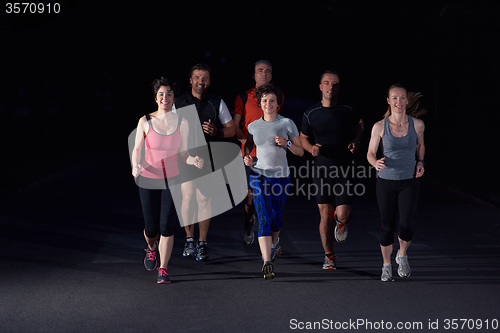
{"x": 404, "y": 267}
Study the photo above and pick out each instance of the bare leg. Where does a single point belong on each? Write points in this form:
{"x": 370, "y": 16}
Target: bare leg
{"x": 151, "y": 241}
{"x": 386, "y": 253}
{"x": 326, "y": 226}
{"x": 344, "y": 213}
{"x": 165, "y": 248}
{"x": 265, "y": 247}
{"x": 204, "y": 211}
{"x": 403, "y": 246}
{"x": 249, "y": 207}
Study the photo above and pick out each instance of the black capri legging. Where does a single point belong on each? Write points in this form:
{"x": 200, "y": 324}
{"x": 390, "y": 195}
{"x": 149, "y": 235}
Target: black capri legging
{"x": 159, "y": 212}
{"x": 394, "y": 196}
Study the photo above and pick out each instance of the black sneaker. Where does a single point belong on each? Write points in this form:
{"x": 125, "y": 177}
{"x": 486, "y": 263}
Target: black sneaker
{"x": 202, "y": 249}
{"x": 248, "y": 235}
{"x": 163, "y": 275}
{"x": 189, "y": 248}
{"x": 150, "y": 261}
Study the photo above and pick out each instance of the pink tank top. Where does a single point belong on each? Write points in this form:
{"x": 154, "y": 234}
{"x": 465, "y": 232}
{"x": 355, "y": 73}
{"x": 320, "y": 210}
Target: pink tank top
{"x": 161, "y": 153}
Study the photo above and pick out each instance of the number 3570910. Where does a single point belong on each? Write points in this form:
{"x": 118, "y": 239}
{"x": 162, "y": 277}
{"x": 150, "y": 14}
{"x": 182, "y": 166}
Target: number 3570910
{"x": 32, "y": 8}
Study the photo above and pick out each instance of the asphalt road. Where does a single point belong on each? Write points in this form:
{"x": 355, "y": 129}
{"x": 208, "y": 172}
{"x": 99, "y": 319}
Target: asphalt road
{"x": 71, "y": 252}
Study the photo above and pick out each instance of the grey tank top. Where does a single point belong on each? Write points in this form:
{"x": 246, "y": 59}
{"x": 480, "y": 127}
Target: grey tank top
{"x": 399, "y": 153}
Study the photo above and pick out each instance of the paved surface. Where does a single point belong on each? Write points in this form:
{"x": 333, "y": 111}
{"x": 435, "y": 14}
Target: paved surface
{"x": 71, "y": 253}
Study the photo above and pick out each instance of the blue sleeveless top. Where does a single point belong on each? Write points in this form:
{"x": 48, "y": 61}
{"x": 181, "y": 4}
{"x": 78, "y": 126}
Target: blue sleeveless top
{"x": 399, "y": 153}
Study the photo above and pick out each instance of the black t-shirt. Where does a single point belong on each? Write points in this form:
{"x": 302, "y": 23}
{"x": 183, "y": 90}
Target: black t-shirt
{"x": 332, "y": 127}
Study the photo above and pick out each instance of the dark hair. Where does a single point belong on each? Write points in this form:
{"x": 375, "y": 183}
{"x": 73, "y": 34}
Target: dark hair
{"x": 329, "y": 71}
{"x": 201, "y": 67}
{"x": 413, "y": 108}
{"x": 268, "y": 89}
{"x": 163, "y": 81}
{"x": 263, "y": 61}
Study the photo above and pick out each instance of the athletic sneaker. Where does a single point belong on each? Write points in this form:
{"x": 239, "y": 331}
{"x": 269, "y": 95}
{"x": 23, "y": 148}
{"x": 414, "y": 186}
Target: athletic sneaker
{"x": 150, "y": 261}
{"x": 202, "y": 250}
{"x": 275, "y": 250}
{"x": 189, "y": 248}
{"x": 268, "y": 270}
{"x": 404, "y": 267}
{"x": 247, "y": 234}
{"x": 340, "y": 229}
{"x": 163, "y": 275}
{"x": 329, "y": 262}
{"x": 386, "y": 273}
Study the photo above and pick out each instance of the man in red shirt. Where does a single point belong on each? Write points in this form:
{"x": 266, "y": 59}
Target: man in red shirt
{"x": 246, "y": 110}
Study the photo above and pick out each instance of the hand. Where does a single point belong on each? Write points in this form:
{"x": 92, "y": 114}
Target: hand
{"x": 280, "y": 141}
{"x": 353, "y": 147}
{"x": 315, "y": 150}
{"x": 380, "y": 165}
{"x": 136, "y": 170}
{"x": 198, "y": 162}
{"x": 420, "y": 170}
{"x": 248, "y": 159}
{"x": 209, "y": 128}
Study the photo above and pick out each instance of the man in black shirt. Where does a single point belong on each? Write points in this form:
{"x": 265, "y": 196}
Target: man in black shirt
{"x": 331, "y": 132}
{"x": 217, "y": 123}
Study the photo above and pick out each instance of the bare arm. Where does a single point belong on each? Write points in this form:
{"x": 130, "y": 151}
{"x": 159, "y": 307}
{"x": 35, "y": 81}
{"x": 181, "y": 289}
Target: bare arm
{"x": 376, "y": 136}
{"x": 296, "y": 146}
{"x": 239, "y": 133}
{"x": 248, "y": 159}
{"x": 183, "y": 150}
{"x": 138, "y": 143}
{"x": 420, "y": 128}
{"x": 355, "y": 144}
{"x": 306, "y": 144}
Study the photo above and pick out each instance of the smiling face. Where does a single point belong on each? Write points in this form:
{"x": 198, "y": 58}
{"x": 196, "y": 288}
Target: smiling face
{"x": 200, "y": 81}
{"x": 165, "y": 98}
{"x": 269, "y": 103}
{"x": 398, "y": 100}
{"x": 329, "y": 86}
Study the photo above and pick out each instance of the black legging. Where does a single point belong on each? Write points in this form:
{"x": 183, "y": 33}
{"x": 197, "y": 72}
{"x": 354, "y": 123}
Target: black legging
{"x": 394, "y": 195}
{"x": 159, "y": 212}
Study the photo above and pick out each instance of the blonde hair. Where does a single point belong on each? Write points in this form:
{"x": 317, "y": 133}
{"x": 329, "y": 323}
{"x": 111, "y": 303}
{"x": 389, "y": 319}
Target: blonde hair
{"x": 413, "y": 108}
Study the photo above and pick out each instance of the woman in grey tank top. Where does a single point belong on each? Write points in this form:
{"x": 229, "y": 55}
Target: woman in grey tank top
{"x": 401, "y": 137}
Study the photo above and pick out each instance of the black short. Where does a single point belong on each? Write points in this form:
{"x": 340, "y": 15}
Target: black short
{"x": 332, "y": 184}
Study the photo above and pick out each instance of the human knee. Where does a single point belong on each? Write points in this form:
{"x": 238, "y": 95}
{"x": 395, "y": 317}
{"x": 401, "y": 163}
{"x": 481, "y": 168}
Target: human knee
{"x": 344, "y": 215}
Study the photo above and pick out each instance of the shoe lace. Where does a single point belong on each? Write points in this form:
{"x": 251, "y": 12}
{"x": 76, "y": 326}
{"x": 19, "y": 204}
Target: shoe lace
{"x": 151, "y": 254}
{"x": 162, "y": 272}
{"x": 331, "y": 258}
{"x": 202, "y": 249}
{"x": 341, "y": 228}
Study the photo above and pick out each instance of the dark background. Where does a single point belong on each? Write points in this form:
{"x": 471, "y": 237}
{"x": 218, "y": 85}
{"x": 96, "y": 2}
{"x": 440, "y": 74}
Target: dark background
{"x": 74, "y": 84}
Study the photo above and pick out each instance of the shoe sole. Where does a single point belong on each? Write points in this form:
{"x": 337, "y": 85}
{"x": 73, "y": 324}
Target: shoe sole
{"x": 329, "y": 268}
{"x": 163, "y": 281}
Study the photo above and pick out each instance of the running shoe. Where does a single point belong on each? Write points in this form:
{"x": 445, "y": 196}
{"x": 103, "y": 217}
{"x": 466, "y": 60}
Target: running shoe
{"x": 340, "y": 230}
{"x": 247, "y": 234}
{"x": 329, "y": 262}
{"x": 163, "y": 275}
{"x": 404, "y": 267}
{"x": 202, "y": 251}
{"x": 189, "y": 248}
{"x": 386, "y": 273}
{"x": 275, "y": 250}
{"x": 150, "y": 261}
{"x": 268, "y": 270}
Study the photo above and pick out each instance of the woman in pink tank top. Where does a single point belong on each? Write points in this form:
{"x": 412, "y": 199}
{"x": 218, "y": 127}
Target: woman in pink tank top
{"x": 163, "y": 135}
